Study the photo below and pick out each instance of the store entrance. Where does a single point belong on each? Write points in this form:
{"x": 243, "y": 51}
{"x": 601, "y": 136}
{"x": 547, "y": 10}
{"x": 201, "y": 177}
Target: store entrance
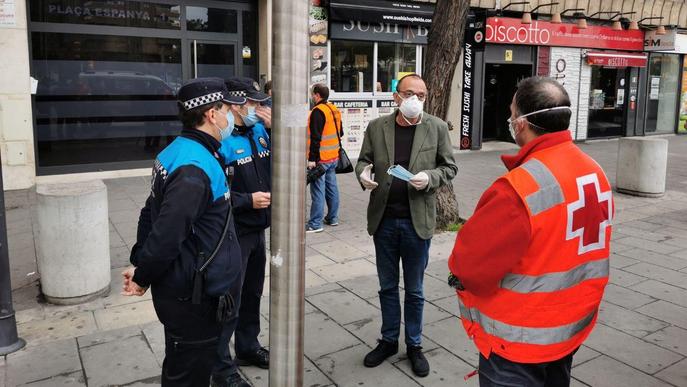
{"x": 607, "y": 102}
{"x": 500, "y": 83}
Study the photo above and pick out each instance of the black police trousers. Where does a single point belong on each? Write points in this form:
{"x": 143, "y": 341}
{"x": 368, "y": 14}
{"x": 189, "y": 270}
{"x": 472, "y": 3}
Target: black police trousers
{"x": 191, "y": 335}
{"x": 245, "y": 326}
{"x": 499, "y": 372}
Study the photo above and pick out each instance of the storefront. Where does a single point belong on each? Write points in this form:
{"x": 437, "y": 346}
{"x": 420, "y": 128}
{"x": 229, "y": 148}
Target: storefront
{"x": 367, "y": 55}
{"x": 107, "y": 73}
{"x": 599, "y": 67}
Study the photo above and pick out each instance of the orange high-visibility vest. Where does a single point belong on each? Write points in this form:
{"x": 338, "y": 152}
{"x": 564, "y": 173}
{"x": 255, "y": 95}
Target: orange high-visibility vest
{"x": 329, "y": 145}
{"x": 547, "y": 305}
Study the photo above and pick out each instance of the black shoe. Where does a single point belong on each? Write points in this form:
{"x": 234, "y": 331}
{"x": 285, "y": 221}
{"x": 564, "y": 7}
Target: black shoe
{"x": 418, "y": 361}
{"x": 234, "y": 380}
{"x": 259, "y": 358}
{"x": 384, "y": 349}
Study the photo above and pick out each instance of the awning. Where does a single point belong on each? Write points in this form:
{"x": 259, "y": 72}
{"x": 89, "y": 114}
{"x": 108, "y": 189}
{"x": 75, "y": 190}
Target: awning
{"x": 616, "y": 59}
{"x": 380, "y": 11}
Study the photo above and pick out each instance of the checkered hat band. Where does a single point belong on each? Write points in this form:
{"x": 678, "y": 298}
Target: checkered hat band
{"x": 203, "y": 100}
{"x": 237, "y": 93}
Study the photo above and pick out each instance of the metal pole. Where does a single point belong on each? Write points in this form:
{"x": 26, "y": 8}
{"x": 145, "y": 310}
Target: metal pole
{"x": 287, "y": 242}
{"x": 9, "y": 341}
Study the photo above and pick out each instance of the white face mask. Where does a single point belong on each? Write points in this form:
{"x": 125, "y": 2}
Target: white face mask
{"x": 511, "y": 129}
{"x": 411, "y": 107}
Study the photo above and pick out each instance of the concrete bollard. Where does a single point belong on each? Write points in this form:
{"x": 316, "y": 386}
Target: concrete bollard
{"x": 73, "y": 241}
{"x": 642, "y": 163}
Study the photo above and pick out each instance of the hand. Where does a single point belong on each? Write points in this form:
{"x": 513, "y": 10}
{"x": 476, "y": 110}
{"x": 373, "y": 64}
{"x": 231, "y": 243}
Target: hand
{"x": 131, "y": 288}
{"x": 311, "y": 164}
{"x": 261, "y": 200}
{"x": 419, "y": 181}
{"x": 366, "y": 178}
{"x": 265, "y": 114}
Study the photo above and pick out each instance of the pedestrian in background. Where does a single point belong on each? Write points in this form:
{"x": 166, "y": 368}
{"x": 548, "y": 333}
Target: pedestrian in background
{"x": 185, "y": 220}
{"x": 529, "y": 289}
{"x": 401, "y": 215}
{"x": 324, "y": 130}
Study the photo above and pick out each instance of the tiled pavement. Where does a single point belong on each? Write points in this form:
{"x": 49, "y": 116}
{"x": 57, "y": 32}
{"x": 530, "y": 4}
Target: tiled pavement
{"x": 641, "y": 338}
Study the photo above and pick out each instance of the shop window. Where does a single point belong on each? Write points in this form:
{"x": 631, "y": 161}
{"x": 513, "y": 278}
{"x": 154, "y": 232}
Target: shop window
{"x": 108, "y": 13}
{"x": 393, "y": 62}
{"x": 663, "y": 93}
{"x": 104, "y": 98}
{"x": 249, "y": 50}
{"x": 211, "y": 19}
{"x": 682, "y": 126}
{"x": 607, "y": 101}
{"x": 352, "y": 66}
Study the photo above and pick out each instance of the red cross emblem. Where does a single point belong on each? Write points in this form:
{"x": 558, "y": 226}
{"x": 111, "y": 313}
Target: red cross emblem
{"x": 590, "y": 215}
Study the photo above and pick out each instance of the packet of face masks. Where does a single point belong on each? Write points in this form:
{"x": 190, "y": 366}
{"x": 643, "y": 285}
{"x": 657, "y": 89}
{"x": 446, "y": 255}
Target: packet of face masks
{"x": 399, "y": 172}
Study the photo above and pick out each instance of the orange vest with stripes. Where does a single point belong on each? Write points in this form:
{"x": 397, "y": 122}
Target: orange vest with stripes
{"x": 547, "y": 305}
{"x": 329, "y": 145}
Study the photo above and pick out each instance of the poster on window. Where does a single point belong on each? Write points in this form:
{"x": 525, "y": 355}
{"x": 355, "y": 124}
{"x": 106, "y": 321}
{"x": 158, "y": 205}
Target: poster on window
{"x": 682, "y": 127}
{"x": 654, "y": 87}
{"x": 8, "y": 14}
{"x": 317, "y": 29}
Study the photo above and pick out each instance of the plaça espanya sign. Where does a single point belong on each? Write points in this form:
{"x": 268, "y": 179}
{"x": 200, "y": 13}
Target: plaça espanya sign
{"x": 544, "y": 33}
{"x": 98, "y": 12}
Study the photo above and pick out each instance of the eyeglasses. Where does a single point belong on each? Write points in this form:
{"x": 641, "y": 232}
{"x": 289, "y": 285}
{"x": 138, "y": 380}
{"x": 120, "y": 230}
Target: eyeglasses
{"x": 409, "y": 93}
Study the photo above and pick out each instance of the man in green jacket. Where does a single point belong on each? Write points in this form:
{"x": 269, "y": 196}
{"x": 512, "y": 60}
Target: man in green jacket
{"x": 401, "y": 215}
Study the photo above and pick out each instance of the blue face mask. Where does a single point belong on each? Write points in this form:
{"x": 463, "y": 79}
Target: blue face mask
{"x": 226, "y": 131}
{"x": 251, "y": 118}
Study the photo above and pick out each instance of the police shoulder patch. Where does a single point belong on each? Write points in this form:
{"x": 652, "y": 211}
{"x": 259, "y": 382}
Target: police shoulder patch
{"x": 262, "y": 142}
{"x": 239, "y": 151}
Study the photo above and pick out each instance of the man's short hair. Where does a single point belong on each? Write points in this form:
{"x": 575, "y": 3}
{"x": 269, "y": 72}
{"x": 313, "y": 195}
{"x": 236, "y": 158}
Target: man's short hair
{"x": 191, "y": 119}
{"x": 407, "y": 76}
{"x": 538, "y": 93}
{"x": 268, "y": 86}
{"x": 321, "y": 90}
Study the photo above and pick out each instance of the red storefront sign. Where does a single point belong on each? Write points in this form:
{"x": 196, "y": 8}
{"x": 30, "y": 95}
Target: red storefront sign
{"x": 543, "y": 33}
{"x": 616, "y": 59}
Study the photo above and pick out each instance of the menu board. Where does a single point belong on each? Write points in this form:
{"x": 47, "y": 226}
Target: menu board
{"x": 317, "y": 28}
{"x": 355, "y": 116}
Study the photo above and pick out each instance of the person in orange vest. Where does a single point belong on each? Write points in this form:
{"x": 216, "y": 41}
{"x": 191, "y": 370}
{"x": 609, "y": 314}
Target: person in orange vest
{"x": 531, "y": 264}
{"x": 324, "y": 131}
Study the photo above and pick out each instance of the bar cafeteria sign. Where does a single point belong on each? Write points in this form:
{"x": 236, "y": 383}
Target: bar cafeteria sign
{"x": 543, "y": 33}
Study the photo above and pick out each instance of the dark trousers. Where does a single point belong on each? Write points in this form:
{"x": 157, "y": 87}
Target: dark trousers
{"x": 245, "y": 326}
{"x": 191, "y": 335}
{"x": 499, "y": 372}
{"x": 396, "y": 239}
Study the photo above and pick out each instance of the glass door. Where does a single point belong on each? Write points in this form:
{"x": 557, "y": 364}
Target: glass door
{"x": 213, "y": 59}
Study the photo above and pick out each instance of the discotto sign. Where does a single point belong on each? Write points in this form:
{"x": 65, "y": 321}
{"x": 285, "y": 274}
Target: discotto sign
{"x": 543, "y": 33}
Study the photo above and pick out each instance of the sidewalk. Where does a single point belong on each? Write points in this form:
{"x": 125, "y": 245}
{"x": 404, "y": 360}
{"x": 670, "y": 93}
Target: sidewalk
{"x": 640, "y": 340}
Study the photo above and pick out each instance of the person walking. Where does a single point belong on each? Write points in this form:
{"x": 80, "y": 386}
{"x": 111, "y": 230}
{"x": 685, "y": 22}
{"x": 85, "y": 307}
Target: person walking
{"x": 529, "y": 289}
{"x": 324, "y": 130}
{"x": 184, "y": 225}
{"x": 401, "y": 215}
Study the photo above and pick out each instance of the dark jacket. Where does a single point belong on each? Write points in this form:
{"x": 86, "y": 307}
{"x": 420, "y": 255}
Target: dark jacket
{"x": 247, "y": 152}
{"x": 184, "y": 215}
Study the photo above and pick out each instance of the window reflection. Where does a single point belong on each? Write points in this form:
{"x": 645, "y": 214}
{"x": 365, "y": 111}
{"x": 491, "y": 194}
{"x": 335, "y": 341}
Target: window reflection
{"x": 211, "y": 19}
{"x": 392, "y": 59}
{"x": 352, "y": 66}
{"x": 663, "y": 93}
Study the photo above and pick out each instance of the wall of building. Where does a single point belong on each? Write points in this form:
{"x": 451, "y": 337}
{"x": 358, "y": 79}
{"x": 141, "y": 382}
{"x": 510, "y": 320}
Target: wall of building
{"x": 265, "y": 38}
{"x": 16, "y": 124}
{"x": 567, "y": 67}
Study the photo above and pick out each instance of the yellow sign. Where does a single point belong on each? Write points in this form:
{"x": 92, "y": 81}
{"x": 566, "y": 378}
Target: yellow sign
{"x": 509, "y": 56}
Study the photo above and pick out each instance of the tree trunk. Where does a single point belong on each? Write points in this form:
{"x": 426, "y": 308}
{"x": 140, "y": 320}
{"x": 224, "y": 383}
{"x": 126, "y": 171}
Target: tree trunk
{"x": 443, "y": 53}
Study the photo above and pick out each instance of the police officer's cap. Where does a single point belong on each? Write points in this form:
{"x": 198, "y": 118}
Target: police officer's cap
{"x": 203, "y": 91}
{"x": 246, "y": 87}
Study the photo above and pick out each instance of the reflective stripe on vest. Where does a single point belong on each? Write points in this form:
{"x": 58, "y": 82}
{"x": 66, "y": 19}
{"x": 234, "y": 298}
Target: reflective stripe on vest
{"x": 526, "y": 335}
{"x": 552, "y": 282}
{"x": 549, "y": 194}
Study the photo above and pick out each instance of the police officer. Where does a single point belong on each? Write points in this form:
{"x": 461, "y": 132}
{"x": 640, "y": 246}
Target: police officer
{"x": 247, "y": 152}
{"x": 185, "y": 220}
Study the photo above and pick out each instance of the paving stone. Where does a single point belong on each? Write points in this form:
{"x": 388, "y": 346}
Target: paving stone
{"x": 317, "y": 238}
{"x": 583, "y": 355}
{"x": 367, "y": 330}
{"x": 576, "y": 383}
{"x": 658, "y": 247}
{"x": 343, "y": 368}
{"x": 440, "y": 251}
{"x": 659, "y": 274}
{"x": 26, "y": 315}
{"x": 445, "y": 369}
{"x": 317, "y": 261}
{"x": 680, "y": 254}
{"x": 675, "y": 374}
{"x": 606, "y": 372}
{"x": 365, "y": 286}
{"x": 623, "y": 278}
{"x": 115, "y": 298}
{"x": 339, "y": 251}
{"x": 617, "y": 247}
{"x": 644, "y": 356}
{"x": 662, "y": 310}
{"x": 327, "y": 287}
{"x": 663, "y": 291}
{"x": 319, "y": 326}
{"x": 343, "y": 306}
{"x": 312, "y": 376}
{"x": 634, "y": 323}
{"x": 155, "y": 336}
{"x": 69, "y": 380}
{"x": 346, "y": 270}
{"x": 119, "y": 257}
{"x": 108, "y": 336}
{"x": 125, "y": 315}
{"x": 625, "y": 297}
{"x": 42, "y": 362}
{"x": 449, "y": 334}
{"x": 435, "y": 289}
{"x": 672, "y": 338}
{"x": 438, "y": 269}
{"x": 651, "y": 257}
{"x": 38, "y": 332}
{"x": 448, "y": 304}
{"x": 312, "y": 279}
{"x": 619, "y": 261}
{"x": 119, "y": 362}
